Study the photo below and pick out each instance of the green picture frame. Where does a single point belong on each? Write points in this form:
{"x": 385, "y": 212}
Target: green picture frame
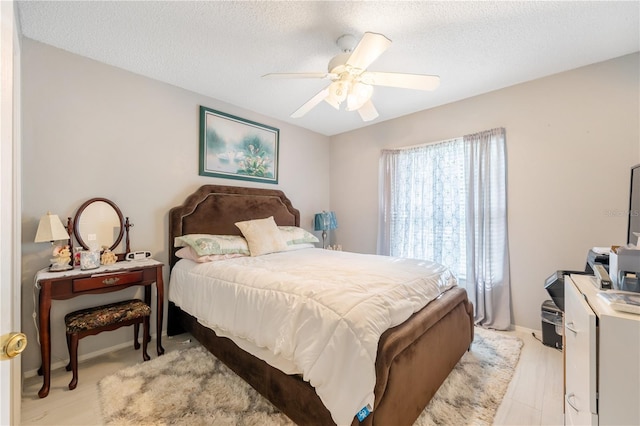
{"x": 235, "y": 148}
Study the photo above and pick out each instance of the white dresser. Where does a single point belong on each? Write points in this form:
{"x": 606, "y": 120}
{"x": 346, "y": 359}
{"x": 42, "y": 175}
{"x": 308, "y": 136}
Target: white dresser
{"x": 602, "y": 358}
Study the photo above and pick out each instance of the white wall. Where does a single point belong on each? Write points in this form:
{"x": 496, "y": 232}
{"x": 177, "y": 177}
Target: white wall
{"x": 571, "y": 140}
{"x": 92, "y": 130}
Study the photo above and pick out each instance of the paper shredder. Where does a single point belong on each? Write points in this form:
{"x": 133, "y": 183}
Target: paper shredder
{"x": 551, "y": 324}
{"x": 552, "y": 311}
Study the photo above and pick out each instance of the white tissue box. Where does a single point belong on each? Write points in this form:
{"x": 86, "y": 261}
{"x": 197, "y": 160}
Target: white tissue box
{"x": 89, "y": 259}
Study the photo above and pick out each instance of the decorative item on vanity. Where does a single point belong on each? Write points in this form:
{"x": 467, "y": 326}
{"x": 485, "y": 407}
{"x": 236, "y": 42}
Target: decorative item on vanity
{"x": 76, "y": 256}
{"x": 325, "y": 221}
{"x": 51, "y": 229}
{"x": 108, "y": 257}
{"x": 61, "y": 260}
{"x": 89, "y": 259}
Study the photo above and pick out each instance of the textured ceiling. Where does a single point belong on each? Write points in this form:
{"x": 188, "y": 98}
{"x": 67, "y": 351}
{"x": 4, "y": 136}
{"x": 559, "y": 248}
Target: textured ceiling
{"x": 221, "y": 49}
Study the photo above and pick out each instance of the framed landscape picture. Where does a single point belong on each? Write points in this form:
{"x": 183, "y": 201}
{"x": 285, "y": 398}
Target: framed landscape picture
{"x": 234, "y": 148}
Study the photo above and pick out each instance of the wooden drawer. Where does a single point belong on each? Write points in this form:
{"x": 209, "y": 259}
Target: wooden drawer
{"x": 106, "y": 280}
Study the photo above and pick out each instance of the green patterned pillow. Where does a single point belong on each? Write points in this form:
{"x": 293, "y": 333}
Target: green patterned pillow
{"x": 294, "y": 235}
{"x": 204, "y": 244}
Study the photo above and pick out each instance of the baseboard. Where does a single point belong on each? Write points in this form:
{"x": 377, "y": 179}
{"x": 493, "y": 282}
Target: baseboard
{"x": 63, "y": 363}
{"x": 528, "y": 330}
{"x": 537, "y": 334}
{"x": 525, "y": 330}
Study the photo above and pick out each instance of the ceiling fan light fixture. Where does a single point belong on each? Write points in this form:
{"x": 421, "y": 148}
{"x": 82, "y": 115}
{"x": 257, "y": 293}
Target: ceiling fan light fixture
{"x": 352, "y": 82}
{"x": 338, "y": 91}
{"x": 358, "y": 95}
{"x": 337, "y": 63}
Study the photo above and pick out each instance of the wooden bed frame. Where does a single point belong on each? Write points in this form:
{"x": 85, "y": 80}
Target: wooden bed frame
{"x": 413, "y": 359}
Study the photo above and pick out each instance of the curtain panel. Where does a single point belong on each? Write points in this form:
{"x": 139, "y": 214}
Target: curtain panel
{"x": 446, "y": 202}
{"x": 487, "y": 241}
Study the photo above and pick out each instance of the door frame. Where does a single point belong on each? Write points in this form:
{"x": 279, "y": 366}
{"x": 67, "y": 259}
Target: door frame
{"x": 10, "y": 207}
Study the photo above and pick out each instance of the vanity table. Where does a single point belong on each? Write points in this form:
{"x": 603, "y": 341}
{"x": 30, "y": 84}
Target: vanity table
{"x": 97, "y": 223}
{"x": 106, "y": 279}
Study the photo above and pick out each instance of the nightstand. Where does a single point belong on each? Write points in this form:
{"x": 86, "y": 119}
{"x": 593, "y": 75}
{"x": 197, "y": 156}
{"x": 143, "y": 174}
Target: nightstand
{"x": 106, "y": 279}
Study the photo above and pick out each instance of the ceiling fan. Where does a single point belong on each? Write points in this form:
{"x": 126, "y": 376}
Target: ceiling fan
{"x": 351, "y": 81}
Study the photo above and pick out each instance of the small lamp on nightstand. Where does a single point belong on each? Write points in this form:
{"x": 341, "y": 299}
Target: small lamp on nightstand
{"x": 325, "y": 221}
{"x": 51, "y": 229}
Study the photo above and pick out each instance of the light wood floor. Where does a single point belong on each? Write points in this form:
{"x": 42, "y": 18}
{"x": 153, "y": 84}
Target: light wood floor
{"x": 534, "y": 396}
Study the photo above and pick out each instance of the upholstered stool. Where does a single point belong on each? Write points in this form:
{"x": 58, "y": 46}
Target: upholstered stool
{"x": 90, "y": 321}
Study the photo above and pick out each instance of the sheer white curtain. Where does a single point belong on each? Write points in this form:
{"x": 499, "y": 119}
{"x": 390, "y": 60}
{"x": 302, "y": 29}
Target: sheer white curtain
{"x": 447, "y": 202}
{"x": 423, "y": 204}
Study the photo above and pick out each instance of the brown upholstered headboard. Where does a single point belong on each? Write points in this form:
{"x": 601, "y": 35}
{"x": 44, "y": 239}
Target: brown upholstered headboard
{"x": 214, "y": 209}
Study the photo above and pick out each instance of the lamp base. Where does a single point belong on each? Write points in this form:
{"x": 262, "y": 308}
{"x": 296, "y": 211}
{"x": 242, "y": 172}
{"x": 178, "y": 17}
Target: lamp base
{"x": 56, "y": 267}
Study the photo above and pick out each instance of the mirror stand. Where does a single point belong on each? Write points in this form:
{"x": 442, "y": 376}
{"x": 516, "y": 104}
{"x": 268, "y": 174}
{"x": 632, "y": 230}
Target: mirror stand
{"x": 70, "y": 232}
{"x": 127, "y": 247}
{"x": 99, "y": 222}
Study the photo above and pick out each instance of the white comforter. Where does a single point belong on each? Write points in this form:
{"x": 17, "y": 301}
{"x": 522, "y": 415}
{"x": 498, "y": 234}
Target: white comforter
{"x": 314, "y": 312}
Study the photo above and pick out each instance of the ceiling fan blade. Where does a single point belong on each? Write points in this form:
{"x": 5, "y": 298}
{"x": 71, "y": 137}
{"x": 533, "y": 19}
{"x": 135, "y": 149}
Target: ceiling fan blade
{"x": 405, "y": 81}
{"x": 368, "y": 49}
{"x": 311, "y": 103}
{"x": 367, "y": 111}
{"x": 301, "y": 75}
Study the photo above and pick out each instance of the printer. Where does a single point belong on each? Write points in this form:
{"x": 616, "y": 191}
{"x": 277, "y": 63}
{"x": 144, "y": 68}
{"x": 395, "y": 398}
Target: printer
{"x": 597, "y": 255}
{"x": 624, "y": 267}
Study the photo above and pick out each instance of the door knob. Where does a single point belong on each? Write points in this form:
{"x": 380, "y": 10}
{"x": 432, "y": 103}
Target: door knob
{"x": 12, "y": 345}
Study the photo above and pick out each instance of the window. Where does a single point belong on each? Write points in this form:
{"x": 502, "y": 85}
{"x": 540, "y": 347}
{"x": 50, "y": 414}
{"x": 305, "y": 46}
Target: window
{"x": 446, "y": 202}
{"x": 426, "y": 205}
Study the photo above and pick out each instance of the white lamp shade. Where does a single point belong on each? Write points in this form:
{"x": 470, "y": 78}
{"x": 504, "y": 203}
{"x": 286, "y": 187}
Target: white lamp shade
{"x": 50, "y": 228}
{"x": 358, "y": 95}
{"x": 338, "y": 91}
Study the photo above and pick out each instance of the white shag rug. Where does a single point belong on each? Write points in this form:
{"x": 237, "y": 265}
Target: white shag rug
{"x": 191, "y": 387}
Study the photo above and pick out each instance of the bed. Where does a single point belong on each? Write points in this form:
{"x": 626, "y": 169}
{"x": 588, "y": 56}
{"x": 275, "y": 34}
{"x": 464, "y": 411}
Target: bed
{"x": 412, "y": 359}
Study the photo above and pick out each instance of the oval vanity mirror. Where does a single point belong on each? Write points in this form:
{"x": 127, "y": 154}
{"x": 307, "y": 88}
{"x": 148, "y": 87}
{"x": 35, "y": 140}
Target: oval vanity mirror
{"x": 99, "y": 223}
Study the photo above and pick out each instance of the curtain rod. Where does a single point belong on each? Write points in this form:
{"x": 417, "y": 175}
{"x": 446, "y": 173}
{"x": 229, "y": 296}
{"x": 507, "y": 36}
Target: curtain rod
{"x": 420, "y": 145}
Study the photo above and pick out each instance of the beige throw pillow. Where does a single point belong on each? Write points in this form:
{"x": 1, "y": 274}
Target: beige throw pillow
{"x": 262, "y": 235}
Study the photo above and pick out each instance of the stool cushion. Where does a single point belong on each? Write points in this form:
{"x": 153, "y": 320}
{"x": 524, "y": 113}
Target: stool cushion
{"x": 101, "y": 316}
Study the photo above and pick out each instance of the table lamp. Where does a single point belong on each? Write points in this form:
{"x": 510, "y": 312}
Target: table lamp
{"x": 51, "y": 229}
{"x": 324, "y": 222}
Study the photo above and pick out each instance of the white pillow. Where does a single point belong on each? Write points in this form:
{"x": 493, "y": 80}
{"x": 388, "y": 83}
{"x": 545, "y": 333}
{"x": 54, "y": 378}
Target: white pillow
{"x": 294, "y": 235}
{"x": 204, "y": 244}
{"x": 262, "y": 235}
{"x": 190, "y": 253}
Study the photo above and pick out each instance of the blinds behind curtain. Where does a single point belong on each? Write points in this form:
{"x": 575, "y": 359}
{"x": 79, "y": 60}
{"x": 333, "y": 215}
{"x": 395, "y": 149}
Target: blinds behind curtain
{"x": 446, "y": 202}
{"x": 422, "y": 207}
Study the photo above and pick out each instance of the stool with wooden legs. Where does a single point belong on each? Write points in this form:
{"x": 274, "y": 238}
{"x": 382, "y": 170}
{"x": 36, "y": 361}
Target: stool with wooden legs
{"x": 90, "y": 321}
